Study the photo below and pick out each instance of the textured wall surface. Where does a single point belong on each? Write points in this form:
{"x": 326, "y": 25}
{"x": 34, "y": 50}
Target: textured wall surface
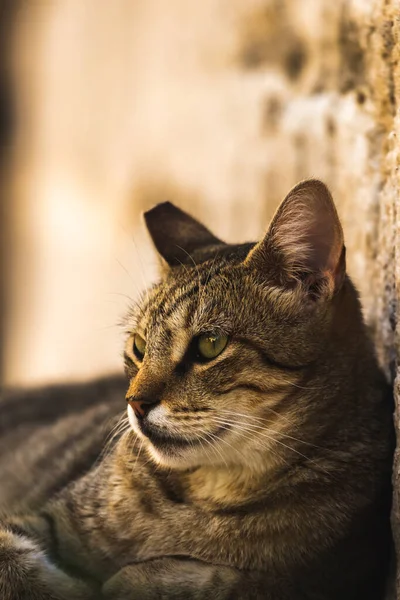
{"x": 220, "y": 106}
{"x": 338, "y": 117}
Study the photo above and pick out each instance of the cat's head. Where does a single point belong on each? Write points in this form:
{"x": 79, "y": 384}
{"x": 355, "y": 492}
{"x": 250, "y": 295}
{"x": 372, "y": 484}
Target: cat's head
{"x": 224, "y": 352}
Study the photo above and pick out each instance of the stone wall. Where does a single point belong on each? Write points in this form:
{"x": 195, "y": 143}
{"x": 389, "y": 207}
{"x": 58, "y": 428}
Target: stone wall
{"x": 337, "y": 117}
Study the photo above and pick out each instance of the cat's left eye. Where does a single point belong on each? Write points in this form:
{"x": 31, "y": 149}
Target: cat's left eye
{"x": 139, "y": 346}
{"x": 211, "y": 345}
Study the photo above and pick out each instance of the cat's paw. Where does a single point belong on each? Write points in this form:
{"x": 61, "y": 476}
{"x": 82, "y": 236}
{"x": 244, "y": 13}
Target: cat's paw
{"x": 144, "y": 581}
{"x": 171, "y": 579}
{"x": 27, "y": 574}
{"x": 21, "y": 568}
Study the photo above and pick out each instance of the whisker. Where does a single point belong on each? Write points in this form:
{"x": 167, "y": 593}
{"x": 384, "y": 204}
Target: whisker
{"x": 122, "y": 295}
{"x": 208, "y": 443}
{"x": 126, "y": 271}
{"x": 137, "y": 456}
{"x": 197, "y": 270}
{"x": 215, "y": 447}
{"x": 109, "y": 447}
{"x": 260, "y": 419}
{"x": 207, "y": 279}
{"x": 121, "y": 424}
{"x": 247, "y": 428}
{"x": 232, "y": 413}
{"x": 216, "y": 440}
{"x": 183, "y": 266}
{"x": 257, "y": 442}
{"x": 131, "y": 442}
{"x": 219, "y": 439}
{"x": 302, "y": 387}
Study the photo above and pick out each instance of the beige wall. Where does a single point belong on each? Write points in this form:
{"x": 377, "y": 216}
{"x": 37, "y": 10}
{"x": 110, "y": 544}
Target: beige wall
{"x": 122, "y": 104}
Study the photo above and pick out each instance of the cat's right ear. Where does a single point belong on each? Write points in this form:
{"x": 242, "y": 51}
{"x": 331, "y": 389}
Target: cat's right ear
{"x": 304, "y": 243}
{"x": 176, "y": 235}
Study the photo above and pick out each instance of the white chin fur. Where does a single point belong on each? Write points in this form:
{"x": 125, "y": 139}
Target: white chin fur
{"x": 132, "y": 419}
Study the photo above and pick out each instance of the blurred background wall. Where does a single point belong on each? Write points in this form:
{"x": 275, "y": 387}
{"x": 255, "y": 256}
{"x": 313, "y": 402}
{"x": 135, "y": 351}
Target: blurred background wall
{"x": 220, "y": 106}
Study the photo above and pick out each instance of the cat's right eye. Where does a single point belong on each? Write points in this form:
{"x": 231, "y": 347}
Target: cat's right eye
{"x": 209, "y": 345}
{"x": 139, "y": 346}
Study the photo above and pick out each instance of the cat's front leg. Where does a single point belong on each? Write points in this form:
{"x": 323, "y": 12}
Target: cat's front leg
{"x": 176, "y": 579}
{"x": 27, "y": 574}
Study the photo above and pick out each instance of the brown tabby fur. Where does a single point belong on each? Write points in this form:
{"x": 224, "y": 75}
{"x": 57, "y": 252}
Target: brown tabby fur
{"x": 264, "y": 473}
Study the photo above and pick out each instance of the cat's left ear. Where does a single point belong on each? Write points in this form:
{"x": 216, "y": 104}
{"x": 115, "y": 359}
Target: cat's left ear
{"x": 176, "y": 235}
{"x": 304, "y": 243}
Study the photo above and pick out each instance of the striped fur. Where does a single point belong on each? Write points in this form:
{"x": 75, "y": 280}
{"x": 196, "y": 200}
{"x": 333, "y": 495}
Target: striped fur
{"x": 263, "y": 473}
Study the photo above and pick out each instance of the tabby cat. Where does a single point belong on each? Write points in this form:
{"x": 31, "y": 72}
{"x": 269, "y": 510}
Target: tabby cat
{"x": 255, "y": 458}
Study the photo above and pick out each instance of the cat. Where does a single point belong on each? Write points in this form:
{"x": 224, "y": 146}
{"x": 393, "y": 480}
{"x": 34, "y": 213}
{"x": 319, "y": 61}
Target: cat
{"x": 254, "y": 460}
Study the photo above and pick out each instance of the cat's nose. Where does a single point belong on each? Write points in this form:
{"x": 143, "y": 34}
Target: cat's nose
{"x": 141, "y": 405}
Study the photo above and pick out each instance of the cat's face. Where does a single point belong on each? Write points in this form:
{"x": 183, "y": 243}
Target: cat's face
{"x": 220, "y": 351}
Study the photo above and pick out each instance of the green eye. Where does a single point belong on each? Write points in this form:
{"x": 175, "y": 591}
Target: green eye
{"x": 139, "y": 346}
{"x": 210, "y": 345}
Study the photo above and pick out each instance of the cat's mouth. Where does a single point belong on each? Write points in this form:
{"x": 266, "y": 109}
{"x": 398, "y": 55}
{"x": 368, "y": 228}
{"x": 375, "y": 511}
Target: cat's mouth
{"x": 161, "y": 439}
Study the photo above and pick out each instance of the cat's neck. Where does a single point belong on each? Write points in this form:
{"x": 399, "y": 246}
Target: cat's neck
{"x": 223, "y": 486}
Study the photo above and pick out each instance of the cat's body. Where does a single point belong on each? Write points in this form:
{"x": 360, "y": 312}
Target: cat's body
{"x": 259, "y": 456}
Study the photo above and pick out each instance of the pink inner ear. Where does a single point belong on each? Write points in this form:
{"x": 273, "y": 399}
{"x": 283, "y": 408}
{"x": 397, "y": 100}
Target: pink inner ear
{"x": 305, "y": 238}
{"x": 325, "y": 244}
